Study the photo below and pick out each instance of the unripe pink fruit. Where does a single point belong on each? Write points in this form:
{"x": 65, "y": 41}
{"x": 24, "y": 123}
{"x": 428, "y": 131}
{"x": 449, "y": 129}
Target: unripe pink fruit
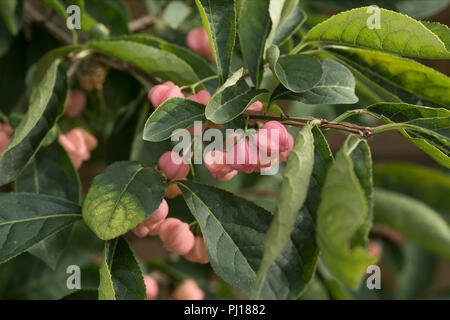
{"x": 198, "y": 41}
{"x": 176, "y": 236}
{"x": 151, "y": 287}
{"x": 151, "y": 224}
{"x": 162, "y": 92}
{"x": 188, "y": 290}
{"x": 172, "y": 165}
{"x": 215, "y": 162}
{"x": 198, "y": 253}
{"x": 78, "y": 145}
{"x": 201, "y": 97}
{"x": 274, "y": 127}
{"x": 5, "y": 135}
{"x": 256, "y": 106}
{"x": 375, "y": 249}
{"x": 75, "y": 102}
{"x": 243, "y": 157}
{"x": 285, "y": 154}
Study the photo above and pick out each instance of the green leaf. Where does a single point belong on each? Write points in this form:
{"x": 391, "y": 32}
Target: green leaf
{"x": 293, "y": 193}
{"x": 51, "y": 172}
{"x": 146, "y": 152}
{"x": 8, "y": 13}
{"x": 298, "y": 72}
{"x": 219, "y": 20}
{"x": 279, "y": 10}
{"x": 231, "y": 99}
{"x": 427, "y": 127}
{"x": 415, "y": 220}
{"x": 51, "y": 249}
{"x": 175, "y": 13}
{"x": 83, "y": 294}
{"x": 398, "y": 74}
{"x": 253, "y": 28}
{"x": 45, "y": 108}
{"x": 153, "y": 61}
{"x": 123, "y": 195}
{"x": 198, "y": 64}
{"x": 26, "y": 219}
{"x": 120, "y": 274}
{"x": 289, "y": 26}
{"x": 175, "y": 113}
{"x": 113, "y": 14}
{"x": 419, "y": 265}
{"x": 235, "y": 229}
{"x": 337, "y": 86}
{"x": 441, "y": 30}
{"x": 398, "y": 34}
{"x": 428, "y": 185}
{"x": 343, "y": 216}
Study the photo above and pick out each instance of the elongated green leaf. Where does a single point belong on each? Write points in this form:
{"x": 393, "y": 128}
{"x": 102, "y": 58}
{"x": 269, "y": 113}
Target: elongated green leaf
{"x": 398, "y": 34}
{"x": 123, "y": 195}
{"x": 343, "y": 215}
{"x": 289, "y": 26}
{"x": 219, "y": 20}
{"x": 323, "y": 159}
{"x": 298, "y": 72}
{"x": 198, "y": 64}
{"x": 278, "y": 10}
{"x": 153, "y": 61}
{"x": 413, "y": 219}
{"x": 45, "y": 108}
{"x": 51, "y": 172}
{"x": 337, "y": 86}
{"x": 397, "y": 74}
{"x": 235, "y": 229}
{"x": 293, "y": 193}
{"x": 120, "y": 274}
{"x": 428, "y": 127}
{"x": 428, "y": 185}
{"x": 175, "y": 113}
{"x": 420, "y": 265}
{"x": 8, "y": 13}
{"x": 231, "y": 100}
{"x": 26, "y": 219}
{"x": 253, "y": 27}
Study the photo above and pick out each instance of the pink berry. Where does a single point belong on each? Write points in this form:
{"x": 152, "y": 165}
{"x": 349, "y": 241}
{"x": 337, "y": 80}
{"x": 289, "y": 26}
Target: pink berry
{"x": 285, "y": 154}
{"x": 201, "y": 97}
{"x": 198, "y": 252}
{"x": 75, "y": 102}
{"x": 273, "y": 128}
{"x": 162, "y": 92}
{"x": 172, "y": 165}
{"x": 215, "y": 162}
{"x": 198, "y": 41}
{"x": 5, "y": 135}
{"x": 256, "y": 106}
{"x": 176, "y": 236}
{"x": 188, "y": 290}
{"x": 243, "y": 157}
{"x": 375, "y": 249}
{"x": 78, "y": 145}
{"x": 151, "y": 287}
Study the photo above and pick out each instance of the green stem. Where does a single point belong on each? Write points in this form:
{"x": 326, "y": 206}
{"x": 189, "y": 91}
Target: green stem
{"x": 350, "y": 113}
{"x": 393, "y": 126}
{"x": 192, "y": 171}
{"x": 196, "y": 84}
{"x": 4, "y": 117}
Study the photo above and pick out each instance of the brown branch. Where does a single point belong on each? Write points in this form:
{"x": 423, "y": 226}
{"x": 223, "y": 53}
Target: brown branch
{"x": 363, "y": 132}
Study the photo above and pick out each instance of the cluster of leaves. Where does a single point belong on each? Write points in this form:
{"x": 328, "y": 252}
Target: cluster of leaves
{"x": 314, "y": 235}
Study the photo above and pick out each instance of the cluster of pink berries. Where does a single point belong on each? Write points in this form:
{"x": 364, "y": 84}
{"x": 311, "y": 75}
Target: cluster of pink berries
{"x": 175, "y": 234}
